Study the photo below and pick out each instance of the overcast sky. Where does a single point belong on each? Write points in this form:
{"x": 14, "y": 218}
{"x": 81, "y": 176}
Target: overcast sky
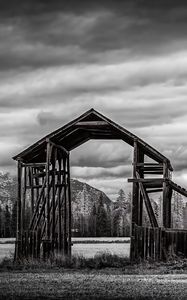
{"x": 126, "y": 59}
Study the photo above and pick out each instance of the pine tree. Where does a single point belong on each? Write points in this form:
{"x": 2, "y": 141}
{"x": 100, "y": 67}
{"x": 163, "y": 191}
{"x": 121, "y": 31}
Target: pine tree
{"x": 177, "y": 210}
{"x": 116, "y": 220}
{"x": 101, "y": 219}
{"x": 121, "y": 196}
{"x": 109, "y": 221}
{"x": 92, "y": 221}
{"x": 14, "y": 219}
{"x": 7, "y": 222}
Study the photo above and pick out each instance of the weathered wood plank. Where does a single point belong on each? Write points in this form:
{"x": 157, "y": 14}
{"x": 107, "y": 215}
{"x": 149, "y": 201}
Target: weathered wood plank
{"x": 154, "y": 191}
{"x": 92, "y": 123}
{"x": 147, "y": 180}
{"x": 69, "y": 207}
{"x": 148, "y": 205}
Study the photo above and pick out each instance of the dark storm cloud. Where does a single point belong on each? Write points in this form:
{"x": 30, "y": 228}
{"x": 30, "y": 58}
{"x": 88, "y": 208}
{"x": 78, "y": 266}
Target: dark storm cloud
{"x": 44, "y": 33}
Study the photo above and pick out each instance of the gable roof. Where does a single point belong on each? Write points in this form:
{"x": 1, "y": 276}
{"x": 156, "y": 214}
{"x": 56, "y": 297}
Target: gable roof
{"x": 90, "y": 125}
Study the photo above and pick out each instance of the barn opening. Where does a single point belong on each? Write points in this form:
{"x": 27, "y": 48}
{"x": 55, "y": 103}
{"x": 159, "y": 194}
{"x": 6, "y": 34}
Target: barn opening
{"x": 101, "y": 197}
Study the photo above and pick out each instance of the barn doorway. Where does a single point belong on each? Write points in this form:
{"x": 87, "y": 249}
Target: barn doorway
{"x": 101, "y": 198}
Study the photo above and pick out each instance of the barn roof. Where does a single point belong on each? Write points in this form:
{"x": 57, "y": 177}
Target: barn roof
{"x": 90, "y": 125}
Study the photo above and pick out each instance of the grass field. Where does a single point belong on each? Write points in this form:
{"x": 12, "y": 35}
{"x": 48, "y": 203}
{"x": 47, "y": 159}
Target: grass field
{"x": 87, "y": 247}
{"x": 71, "y": 284}
{"x": 90, "y": 250}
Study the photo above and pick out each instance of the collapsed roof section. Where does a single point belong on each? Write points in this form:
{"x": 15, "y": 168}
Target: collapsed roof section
{"x": 90, "y": 125}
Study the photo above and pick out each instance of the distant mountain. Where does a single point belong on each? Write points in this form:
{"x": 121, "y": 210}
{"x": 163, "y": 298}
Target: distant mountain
{"x": 84, "y": 196}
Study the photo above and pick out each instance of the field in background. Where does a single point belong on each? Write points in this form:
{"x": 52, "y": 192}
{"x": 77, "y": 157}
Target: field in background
{"x": 101, "y": 239}
{"x": 86, "y": 247}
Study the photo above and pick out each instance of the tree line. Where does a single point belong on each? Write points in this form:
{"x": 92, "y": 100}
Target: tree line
{"x": 105, "y": 220}
{"x": 8, "y": 221}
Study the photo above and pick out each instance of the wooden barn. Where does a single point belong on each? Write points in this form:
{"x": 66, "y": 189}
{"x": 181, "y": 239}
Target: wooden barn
{"x": 44, "y": 171}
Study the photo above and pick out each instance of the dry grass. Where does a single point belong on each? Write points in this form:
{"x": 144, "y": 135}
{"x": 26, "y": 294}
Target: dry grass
{"x": 102, "y": 261}
{"x": 105, "y": 276}
{"x": 99, "y": 261}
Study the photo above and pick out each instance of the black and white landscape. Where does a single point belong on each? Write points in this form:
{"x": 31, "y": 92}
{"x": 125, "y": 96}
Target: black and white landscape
{"x": 126, "y": 60}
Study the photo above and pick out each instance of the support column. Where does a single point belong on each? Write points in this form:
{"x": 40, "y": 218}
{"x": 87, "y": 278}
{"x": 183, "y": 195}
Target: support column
{"x": 140, "y": 198}
{"x": 167, "y": 194}
{"x": 134, "y": 202}
{"x": 19, "y": 208}
{"x": 135, "y": 187}
{"x": 69, "y": 207}
{"x": 59, "y": 208}
{"x": 23, "y": 197}
{"x": 53, "y": 204}
{"x": 48, "y": 231}
{"x": 65, "y": 246}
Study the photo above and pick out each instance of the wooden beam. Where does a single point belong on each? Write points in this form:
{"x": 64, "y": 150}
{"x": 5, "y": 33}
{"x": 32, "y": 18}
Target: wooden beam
{"x": 154, "y": 191}
{"x": 135, "y": 186}
{"x": 32, "y": 190}
{"x": 92, "y": 123}
{"x": 166, "y": 198}
{"x": 43, "y": 174}
{"x": 69, "y": 207}
{"x": 37, "y": 205}
{"x": 18, "y": 228}
{"x": 48, "y": 158}
{"x": 148, "y": 205}
{"x": 134, "y": 206}
{"x": 42, "y": 164}
{"x": 40, "y": 186}
{"x": 141, "y": 173}
{"x": 59, "y": 208}
{"x": 24, "y": 197}
{"x": 53, "y": 197}
{"x": 151, "y": 168}
{"x": 149, "y": 164}
{"x": 147, "y": 180}
{"x": 157, "y": 184}
{"x": 65, "y": 250}
{"x": 178, "y": 188}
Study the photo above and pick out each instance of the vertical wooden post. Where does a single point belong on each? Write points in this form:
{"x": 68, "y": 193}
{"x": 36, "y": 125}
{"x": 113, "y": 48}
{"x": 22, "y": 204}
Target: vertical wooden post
{"x": 18, "y": 229}
{"x": 65, "y": 207}
{"x": 48, "y": 156}
{"x": 134, "y": 204}
{"x": 32, "y": 190}
{"x": 59, "y": 208}
{"x": 140, "y": 204}
{"x": 135, "y": 188}
{"x": 23, "y": 197}
{"x": 53, "y": 199}
{"x": 167, "y": 193}
{"x": 69, "y": 207}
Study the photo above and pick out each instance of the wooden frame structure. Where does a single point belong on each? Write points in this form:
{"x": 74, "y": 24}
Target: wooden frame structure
{"x": 44, "y": 170}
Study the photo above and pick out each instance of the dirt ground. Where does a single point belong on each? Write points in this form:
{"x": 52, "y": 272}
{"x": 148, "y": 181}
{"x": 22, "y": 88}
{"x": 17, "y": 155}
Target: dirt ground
{"x": 82, "y": 284}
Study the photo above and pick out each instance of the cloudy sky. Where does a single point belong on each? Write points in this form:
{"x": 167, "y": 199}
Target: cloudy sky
{"x": 126, "y": 59}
